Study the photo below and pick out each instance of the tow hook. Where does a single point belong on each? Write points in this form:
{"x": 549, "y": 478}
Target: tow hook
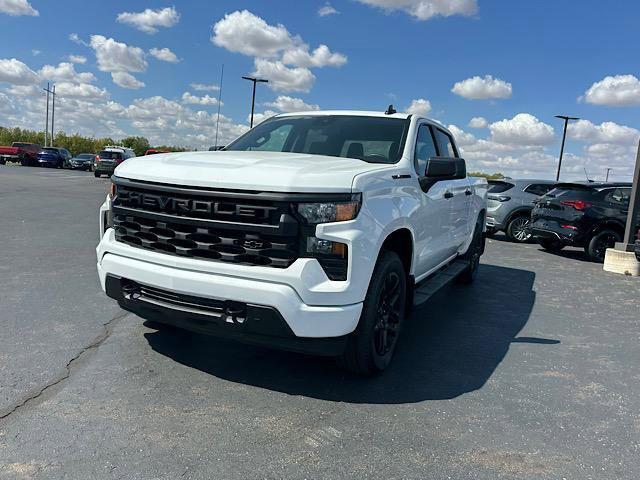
{"x": 131, "y": 291}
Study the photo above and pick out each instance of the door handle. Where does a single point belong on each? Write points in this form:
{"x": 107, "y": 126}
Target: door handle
{"x": 624, "y": 211}
{"x": 448, "y": 195}
{"x": 468, "y": 192}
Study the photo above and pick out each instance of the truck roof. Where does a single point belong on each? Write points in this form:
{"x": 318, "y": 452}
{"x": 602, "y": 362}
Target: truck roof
{"x": 359, "y": 113}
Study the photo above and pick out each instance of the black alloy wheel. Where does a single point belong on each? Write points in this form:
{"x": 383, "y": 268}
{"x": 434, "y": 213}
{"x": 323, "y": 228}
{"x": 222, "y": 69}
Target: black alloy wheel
{"x": 389, "y": 315}
{"x": 597, "y": 248}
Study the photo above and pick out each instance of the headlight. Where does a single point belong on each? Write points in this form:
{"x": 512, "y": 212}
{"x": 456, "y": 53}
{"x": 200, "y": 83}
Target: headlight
{"x": 329, "y": 212}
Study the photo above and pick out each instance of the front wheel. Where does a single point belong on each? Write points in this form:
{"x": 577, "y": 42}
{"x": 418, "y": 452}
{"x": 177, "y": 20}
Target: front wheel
{"x": 370, "y": 348}
{"x": 25, "y": 161}
{"x": 518, "y": 229}
{"x": 597, "y": 246}
{"x": 96, "y": 174}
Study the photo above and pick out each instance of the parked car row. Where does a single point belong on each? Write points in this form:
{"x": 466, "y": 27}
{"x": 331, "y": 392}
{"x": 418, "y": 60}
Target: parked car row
{"x": 588, "y": 215}
{"x": 102, "y": 163}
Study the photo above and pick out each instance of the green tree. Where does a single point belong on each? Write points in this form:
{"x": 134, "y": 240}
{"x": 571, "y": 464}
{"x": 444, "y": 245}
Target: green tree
{"x": 138, "y": 144}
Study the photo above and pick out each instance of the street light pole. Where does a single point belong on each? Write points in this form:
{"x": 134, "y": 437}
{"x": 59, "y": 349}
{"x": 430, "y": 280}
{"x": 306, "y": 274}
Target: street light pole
{"x": 564, "y": 137}
{"x": 633, "y": 214}
{"x": 46, "y": 122}
{"x": 53, "y": 112}
{"x": 253, "y": 98}
{"x": 607, "y": 178}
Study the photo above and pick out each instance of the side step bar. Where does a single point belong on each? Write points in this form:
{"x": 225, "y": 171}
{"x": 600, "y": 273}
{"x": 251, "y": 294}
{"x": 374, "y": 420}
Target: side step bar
{"x": 428, "y": 287}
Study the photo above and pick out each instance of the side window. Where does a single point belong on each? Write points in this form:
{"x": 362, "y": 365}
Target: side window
{"x": 425, "y": 149}
{"x": 619, "y": 196}
{"x": 538, "y": 189}
{"x": 445, "y": 144}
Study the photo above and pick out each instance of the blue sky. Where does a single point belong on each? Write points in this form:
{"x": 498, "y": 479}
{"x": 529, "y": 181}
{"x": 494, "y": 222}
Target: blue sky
{"x": 543, "y": 58}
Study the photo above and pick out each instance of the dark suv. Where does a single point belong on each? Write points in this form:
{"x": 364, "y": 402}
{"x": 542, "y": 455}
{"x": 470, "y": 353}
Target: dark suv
{"x": 589, "y": 215}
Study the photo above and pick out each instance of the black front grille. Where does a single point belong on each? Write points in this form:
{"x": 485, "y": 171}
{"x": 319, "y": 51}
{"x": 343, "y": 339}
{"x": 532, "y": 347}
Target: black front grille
{"x": 221, "y": 226}
{"x": 186, "y": 240}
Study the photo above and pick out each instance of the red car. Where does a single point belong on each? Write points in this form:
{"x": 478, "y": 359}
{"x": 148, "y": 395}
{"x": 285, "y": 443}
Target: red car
{"x": 153, "y": 151}
{"x": 25, "y": 153}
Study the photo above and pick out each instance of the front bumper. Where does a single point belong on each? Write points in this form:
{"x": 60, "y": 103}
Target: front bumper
{"x": 10, "y": 158}
{"x": 302, "y": 320}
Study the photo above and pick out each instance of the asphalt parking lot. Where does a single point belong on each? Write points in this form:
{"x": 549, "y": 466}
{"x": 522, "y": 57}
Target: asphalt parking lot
{"x": 531, "y": 373}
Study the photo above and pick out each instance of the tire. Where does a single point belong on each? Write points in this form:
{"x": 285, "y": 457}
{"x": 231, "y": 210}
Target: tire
{"x": 550, "y": 245}
{"x": 370, "y": 348}
{"x": 517, "y": 229}
{"x": 472, "y": 256}
{"x": 25, "y": 161}
{"x": 96, "y": 174}
{"x": 2, "y": 161}
{"x": 597, "y": 246}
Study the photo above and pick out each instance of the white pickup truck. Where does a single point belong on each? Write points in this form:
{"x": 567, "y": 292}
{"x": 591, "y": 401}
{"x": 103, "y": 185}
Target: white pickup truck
{"x": 313, "y": 232}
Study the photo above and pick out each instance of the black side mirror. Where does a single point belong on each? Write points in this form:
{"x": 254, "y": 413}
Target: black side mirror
{"x": 442, "y": 168}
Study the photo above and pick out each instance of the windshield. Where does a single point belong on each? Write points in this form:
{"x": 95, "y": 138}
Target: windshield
{"x": 50, "y": 150}
{"x": 110, "y": 155}
{"x": 85, "y": 156}
{"x": 371, "y": 139}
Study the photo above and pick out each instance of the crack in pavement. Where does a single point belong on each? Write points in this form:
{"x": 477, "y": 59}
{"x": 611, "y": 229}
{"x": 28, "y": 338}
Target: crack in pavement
{"x": 99, "y": 340}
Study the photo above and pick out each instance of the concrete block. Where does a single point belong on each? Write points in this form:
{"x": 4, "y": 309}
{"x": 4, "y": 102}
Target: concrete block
{"x": 617, "y": 261}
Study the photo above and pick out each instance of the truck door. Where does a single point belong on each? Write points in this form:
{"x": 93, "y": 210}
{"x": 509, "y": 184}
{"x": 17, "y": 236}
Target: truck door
{"x": 433, "y": 237}
{"x": 460, "y": 195}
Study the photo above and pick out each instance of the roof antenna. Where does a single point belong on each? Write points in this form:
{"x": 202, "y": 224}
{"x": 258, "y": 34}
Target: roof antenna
{"x": 587, "y": 175}
{"x": 390, "y": 110}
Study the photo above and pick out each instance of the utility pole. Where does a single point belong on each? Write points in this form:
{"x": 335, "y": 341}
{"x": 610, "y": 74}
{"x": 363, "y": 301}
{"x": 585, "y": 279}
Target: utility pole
{"x": 46, "y": 122}
{"x": 564, "y": 137}
{"x": 253, "y": 98}
{"x": 633, "y": 214}
{"x": 53, "y": 112}
{"x": 607, "y": 179}
{"x": 219, "y": 101}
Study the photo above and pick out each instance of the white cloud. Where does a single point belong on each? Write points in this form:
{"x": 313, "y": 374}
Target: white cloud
{"x": 605, "y": 133}
{"x": 79, "y": 90}
{"x": 419, "y": 106}
{"x": 427, "y": 9}
{"x": 617, "y": 91}
{"x": 190, "y": 99}
{"x": 75, "y": 38}
{"x": 320, "y": 57}
{"x": 35, "y": 52}
{"x": 478, "y": 122}
{"x": 462, "y": 138}
{"x": 261, "y": 117}
{"x": 17, "y": 8}
{"x": 126, "y": 80}
{"x": 65, "y": 72}
{"x": 285, "y": 103}
{"x": 482, "y": 88}
{"x": 327, "y": 9}
{"x": 522, "y": 130}
{"x": 164, "y": 54}
{"x": 77, "y": 59}
{"x": 149, "y": 20}
{"x": 283, "y": 78}
{"x": 285, "y": 57}
{"x": 115, "y": 56}
{"x": 25, "y": 90}
{"x": 203, "y": 87}
{"x": 17, "y": 73}
{"x": 243, "y": 32}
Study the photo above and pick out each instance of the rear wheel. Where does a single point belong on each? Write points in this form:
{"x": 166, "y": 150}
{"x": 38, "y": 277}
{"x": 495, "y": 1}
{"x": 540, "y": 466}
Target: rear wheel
{"x": 25, "y": 161}
{"x": 371, "y": 347}
{"x": 2, "y": 161}
{"x": 597, "y": 246}
{"x": 96, "y": 174}
{"x": 473, "y": 257}
{"x": 550, "y": 245}
{"x": 518, "y": 229}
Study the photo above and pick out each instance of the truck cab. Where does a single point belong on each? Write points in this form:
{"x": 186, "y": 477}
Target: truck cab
{"x": 313, "y": 232}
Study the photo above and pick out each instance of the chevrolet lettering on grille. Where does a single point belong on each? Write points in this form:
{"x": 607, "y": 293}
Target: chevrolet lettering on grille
{"x": 187, "y": 205}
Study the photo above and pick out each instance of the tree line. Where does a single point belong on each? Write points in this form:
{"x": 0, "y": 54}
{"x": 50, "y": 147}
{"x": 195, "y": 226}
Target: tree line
{"x": 77, "y": 143}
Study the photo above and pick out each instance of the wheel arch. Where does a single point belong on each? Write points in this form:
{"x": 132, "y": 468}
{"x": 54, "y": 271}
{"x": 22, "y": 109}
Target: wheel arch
{"x": 517, "y": 212}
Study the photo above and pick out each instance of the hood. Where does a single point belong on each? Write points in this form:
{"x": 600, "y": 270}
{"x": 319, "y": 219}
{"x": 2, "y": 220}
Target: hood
{"x": 266, "y": 171}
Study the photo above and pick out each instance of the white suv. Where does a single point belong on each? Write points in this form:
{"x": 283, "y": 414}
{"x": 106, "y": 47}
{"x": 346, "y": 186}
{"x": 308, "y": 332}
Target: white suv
{"x": 312, "y": 232}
